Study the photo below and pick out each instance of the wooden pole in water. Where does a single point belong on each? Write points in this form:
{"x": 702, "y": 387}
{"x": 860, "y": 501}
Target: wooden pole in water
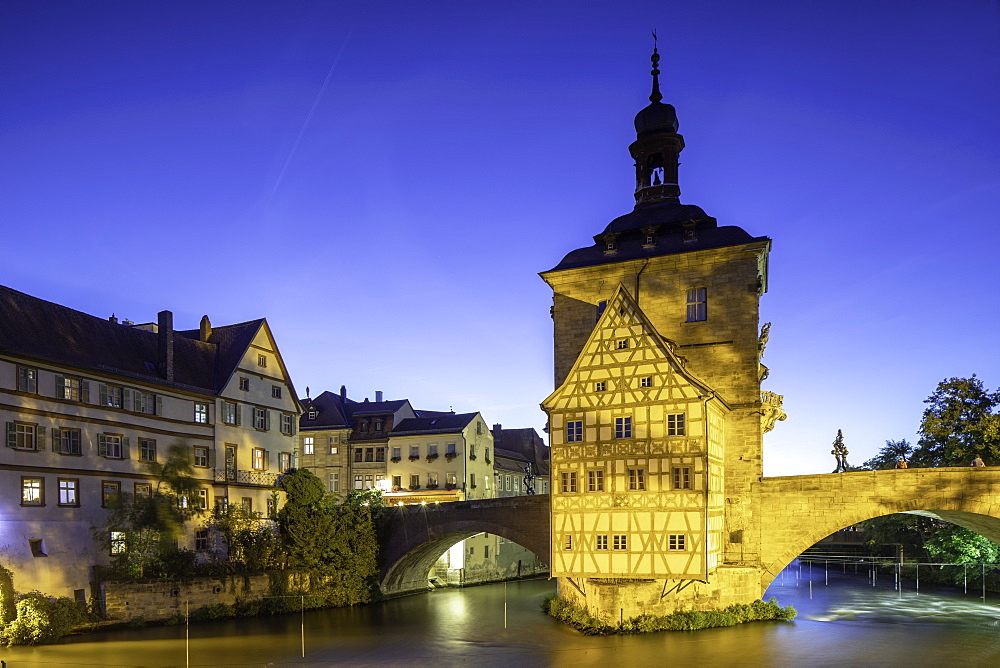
{"x": 984, "y": 583}
{"x": 302, "y": 619}
{"x": 187, "y": 633}
{"x": 505, "y": 604}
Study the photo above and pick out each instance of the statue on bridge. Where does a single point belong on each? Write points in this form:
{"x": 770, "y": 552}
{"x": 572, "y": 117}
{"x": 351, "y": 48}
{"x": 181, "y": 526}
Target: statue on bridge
{"x": 529, "y": 480}
{"x": 840, "y": 452}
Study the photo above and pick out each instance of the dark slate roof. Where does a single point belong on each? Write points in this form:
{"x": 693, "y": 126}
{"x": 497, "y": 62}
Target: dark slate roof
{"x": 330, "y": 413}
{"x": 41, "y": 330}
{"x": 353, "y": 408}
{"x": 669, "y": 219}
{"x": 449, "y": 423}
{"x": 428, "y": 414}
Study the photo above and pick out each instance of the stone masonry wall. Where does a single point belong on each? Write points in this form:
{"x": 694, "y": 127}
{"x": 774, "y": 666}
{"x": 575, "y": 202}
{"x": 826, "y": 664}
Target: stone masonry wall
{"x": 162, "y": 600}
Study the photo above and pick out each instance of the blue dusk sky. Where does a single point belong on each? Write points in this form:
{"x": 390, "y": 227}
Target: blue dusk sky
{"x": 383, "y": 180}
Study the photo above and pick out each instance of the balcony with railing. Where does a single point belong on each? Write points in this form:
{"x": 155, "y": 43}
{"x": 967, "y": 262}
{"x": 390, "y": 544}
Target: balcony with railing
{"x": 244, "y": 477}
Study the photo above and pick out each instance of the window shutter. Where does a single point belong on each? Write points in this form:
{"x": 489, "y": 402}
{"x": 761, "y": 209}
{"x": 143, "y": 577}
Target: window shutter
{"x": 267, "y": 420}
{"x": 295, "y": 424}
{"x": 60, "y": 387}
{"x": 85, "y": 391}
{"x": 102, "y": 445}
{"x": 102, "y": 393}
{"x": 237, "y": 415}
{"x": 56, "y": 439}
{"x": 125, "y": 448}
{"x": 11, "y": 435}
{"x": 267, "y": 460}
{"x": 39, "y": 438}
{"x": 211, "y": 457}
{"x": 127, "y": 399}
{"x": 159, "y": 405}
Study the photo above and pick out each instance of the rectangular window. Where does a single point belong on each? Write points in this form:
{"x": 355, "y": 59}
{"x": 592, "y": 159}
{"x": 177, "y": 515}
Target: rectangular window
{"x": 110, "y": 395}
{"x": 307, "y": 445}
{"x": 637, "y": 479}
{"x": 257, "y": 458}
{"x": 32, "y": 491}
{"x": 201, "y": 540}
{"x": 284, "y": 461}
{"x": 397, "y": 482}
{"x": 261, "y": 419}
{"x": 66, "y": 441}
{"x": 147, "y": 449}
{"x": 272, "y": 508}
{"x": 247, "y": 504}
{"x": 414, "y": 481}
{"x": 380, "y": 454}
{"x": 22, "y": 435}
{"x": 69, "y": 492}
{"x": 472, "y": 481}
{"x": 676, "y": 541}
{"x": 682, "y": 477}
{"x": 574, "y": 431}
{"x": 201, "y": 456}
{"x": 111, "y": 446}
{"x": 111, "y": 493}
{"x": 414, "y": 452}
{"x": 623, "y": 427}
{"x": 568, "y": 542}
{"x": 145, "y": 402}
{"x": 262, "y": 360}
{"x": 118, "y": 543}
{"x": 73, "y": 389}
{"x": 568, "y": 481}
{"x": 432, "y": 450}
{"x": 229, "y": 413}
{"x": 245, "y": 384}
{"x": 359, "y": 454}
{"x": 221, "y": 504}
{"x": 432, "y": 480}
{"x": 595, "y": 480}
{"x": 621, "y": 542}
{"x": 286, "y": 424}
{"x": 377, "y": 425}
{"x": 333, "y": 483}
{"x": 449, "y": 450}
{"x": 602, "y": 542}
{"x": 646, "y": 381}
{"x": 675, "y": 425}
{"x": 697, "y": 305}
{"x": 276, "y": 391}
{"x": 370, "y": 454}
{"x": 623, "y": 344}
{"x": 143, "y": 490}
{"x": 333, "y": 441}
{"x": 601, "y": 386}
{"x": 396, "y": 454}
{"x": 201, "y": 413}
{"x": 27, "y": 379}
{"x": 369, "y": 480}
{"x": 202, "y": 499}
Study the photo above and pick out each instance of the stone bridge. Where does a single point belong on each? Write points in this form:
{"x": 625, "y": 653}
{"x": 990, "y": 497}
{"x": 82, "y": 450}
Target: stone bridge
{"x": 418, "y": 535}
{"x": 799, "y": 511}
{"x": 793, "y": 513}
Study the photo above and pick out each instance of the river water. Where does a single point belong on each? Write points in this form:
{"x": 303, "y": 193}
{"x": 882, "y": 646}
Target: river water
{"x": 845, "y": 622}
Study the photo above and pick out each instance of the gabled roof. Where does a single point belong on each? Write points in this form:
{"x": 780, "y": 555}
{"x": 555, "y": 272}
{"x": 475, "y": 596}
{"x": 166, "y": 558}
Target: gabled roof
{"x": 523, "y": 445}
{"x": 358, "y": 408}
{"x": 599, "y": 356}
{"x": 449, "y": 423}
{"x": 329, "y": 412}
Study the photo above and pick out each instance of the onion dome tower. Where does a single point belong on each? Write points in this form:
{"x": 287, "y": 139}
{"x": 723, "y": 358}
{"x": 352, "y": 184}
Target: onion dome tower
{"x": 657, "y": 147}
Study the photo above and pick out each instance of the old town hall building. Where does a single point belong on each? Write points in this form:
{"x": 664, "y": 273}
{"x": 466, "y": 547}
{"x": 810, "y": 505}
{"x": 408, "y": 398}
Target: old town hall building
{"x": 657, "y": 418}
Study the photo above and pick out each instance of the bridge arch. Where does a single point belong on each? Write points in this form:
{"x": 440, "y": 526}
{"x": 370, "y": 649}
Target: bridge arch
{"x": 802, "y": 510}
{"x": 418, "y": 535}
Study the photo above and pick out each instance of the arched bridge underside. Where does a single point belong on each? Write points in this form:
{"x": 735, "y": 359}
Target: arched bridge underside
{"x": 799, "y": 511}
{"x": 419, "y": 535}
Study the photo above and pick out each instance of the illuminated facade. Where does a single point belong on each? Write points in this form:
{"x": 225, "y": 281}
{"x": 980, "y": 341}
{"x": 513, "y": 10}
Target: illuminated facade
{"x": 88, "y": 402}
{"x": 657, "y": 419}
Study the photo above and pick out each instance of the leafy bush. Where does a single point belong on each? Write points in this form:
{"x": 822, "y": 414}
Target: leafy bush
{"x": 8, "y": 599}
{"x": 693, "y": 620}
{"x": 214, "y": 611}
{"x": 42, "y": 620}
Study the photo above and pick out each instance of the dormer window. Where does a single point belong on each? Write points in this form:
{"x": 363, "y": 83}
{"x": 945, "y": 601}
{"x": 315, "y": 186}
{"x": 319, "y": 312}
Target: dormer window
{"x": 312, "y": 415}
{"x": 610, "y": 243}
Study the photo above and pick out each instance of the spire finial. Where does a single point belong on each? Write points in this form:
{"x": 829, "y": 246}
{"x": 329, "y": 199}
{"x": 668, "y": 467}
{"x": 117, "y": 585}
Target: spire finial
{"x": 655, "y": 95}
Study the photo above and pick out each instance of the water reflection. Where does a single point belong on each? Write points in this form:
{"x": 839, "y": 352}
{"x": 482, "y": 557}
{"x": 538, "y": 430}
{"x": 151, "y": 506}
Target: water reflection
{"x": 847, "y": 622}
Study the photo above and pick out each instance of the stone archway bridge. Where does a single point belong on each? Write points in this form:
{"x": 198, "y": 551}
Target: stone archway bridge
{"x": 792, "y": 513}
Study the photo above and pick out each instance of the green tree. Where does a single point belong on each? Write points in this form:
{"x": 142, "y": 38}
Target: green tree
{"x": 959, "y": 422}
{"x": 145, "y": 529}
{"x": 889, "y": 454}
{"x": 251, "y": 542}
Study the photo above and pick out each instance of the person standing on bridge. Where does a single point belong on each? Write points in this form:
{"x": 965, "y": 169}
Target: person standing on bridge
{"x": 901, "y": 464}
{"x": 977, "y": 462}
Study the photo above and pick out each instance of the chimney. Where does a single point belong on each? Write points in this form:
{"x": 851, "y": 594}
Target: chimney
{"x": 378, "y": 395}
{"x": 343, "y": 394}
{"x": 205, "y": 328}
{"x": 165, "y": 336}
{"x": 113, "y": 320}
{"x": 497, "y": 432}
